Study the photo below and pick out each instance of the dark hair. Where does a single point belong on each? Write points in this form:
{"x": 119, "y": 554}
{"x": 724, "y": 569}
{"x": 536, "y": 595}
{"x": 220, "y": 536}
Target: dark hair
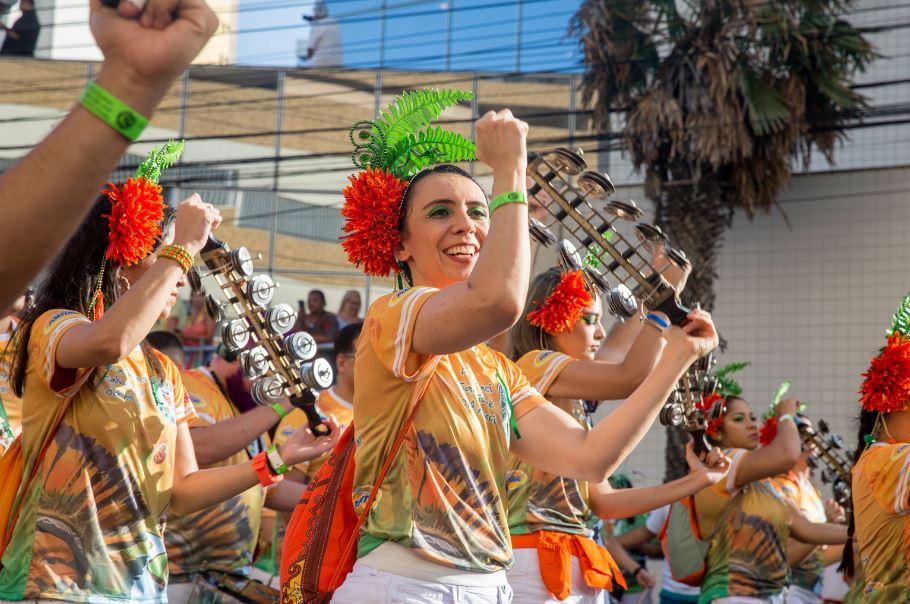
{"x": 164, "y": 340}
{"x": 408, "y": 192}
{"x": 720, "y": 410}
{"x": 866, "y": 425}
{"x": 70, "y": 283}
{"x": 319, "y": 293}
{"x": 346, "y": 339}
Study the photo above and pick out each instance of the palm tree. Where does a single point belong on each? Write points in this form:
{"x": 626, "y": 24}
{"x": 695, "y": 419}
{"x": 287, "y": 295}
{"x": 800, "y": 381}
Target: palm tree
{"x": 719, "y": 98}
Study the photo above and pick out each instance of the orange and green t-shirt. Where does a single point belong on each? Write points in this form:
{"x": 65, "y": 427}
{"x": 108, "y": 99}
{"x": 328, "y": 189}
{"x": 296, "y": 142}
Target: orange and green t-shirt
{"x": 538, "y": 500}
{"x": 10, "y": 405}
{"x": 798, "y": 489}
{"x": 91, "y": 527}
{"x": 329, "y": 404}
{"x": 748, "y": 553}
{"x": 445, "y": 493}
{"x": 222, "y": 537}
{"x": 881, "y": 504}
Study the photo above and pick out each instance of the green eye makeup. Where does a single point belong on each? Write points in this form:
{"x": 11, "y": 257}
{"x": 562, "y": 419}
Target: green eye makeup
{"x": 590, "y": 319}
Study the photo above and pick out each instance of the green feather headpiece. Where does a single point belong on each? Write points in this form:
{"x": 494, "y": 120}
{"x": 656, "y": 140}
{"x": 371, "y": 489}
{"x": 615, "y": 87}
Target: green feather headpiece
{"x": 158, "y": 159}
{"x": 401, "y": 139}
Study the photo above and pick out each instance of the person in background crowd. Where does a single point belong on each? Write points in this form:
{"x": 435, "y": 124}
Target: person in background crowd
{"x": 116, "y": 457}
{"x": 349, "y": 310}
{"x": 229, "y": 429}
{"x": 638, "y": 579}
{"x": 10, "y": 404}
{"x": 671, "y": 591}
{"x": 22, "y": 37}
{"x": 168, "y": 344}
{"x": 324, "y": 48}
{"x": 748, "y": 523}
{"x": 318, "y": 322}
{"x": 197, "y": 330}
{"x": 60, "y": 177}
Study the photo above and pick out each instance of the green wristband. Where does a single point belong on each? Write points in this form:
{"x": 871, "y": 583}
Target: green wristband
{"x": 509, "y": 197}
{"x": 113, "y": 112}
{"x": 277, "y": 408}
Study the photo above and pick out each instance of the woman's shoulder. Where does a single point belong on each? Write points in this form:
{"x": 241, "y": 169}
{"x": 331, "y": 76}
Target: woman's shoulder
{"x": 54, "y": 321}
{"x": 396, "y": 300}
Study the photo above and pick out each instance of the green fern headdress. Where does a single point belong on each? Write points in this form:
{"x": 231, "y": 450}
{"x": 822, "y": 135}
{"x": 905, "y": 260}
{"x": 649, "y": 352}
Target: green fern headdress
{"x": 137, "y": 210}
{"x": 389, "y": 151}
{"x": 886, "y": 384}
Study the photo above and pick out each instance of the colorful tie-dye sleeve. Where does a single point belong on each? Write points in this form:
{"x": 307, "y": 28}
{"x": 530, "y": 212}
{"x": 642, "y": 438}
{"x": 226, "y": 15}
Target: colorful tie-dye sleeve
{"x": 737, "y": 456}
{"x": 542, "y": 367}
{"x": 46, "y": 333}
{"x": 889, "y": 477}
{"x": 390, "y": 325}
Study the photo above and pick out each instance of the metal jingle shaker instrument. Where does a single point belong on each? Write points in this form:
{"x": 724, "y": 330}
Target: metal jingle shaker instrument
{"x": 281, "y": 364}
{"x": 598, "y": 236}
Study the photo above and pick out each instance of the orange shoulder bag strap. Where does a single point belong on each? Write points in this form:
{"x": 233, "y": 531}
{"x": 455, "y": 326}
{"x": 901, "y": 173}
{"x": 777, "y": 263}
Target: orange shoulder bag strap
{"x": 355, "y": 536}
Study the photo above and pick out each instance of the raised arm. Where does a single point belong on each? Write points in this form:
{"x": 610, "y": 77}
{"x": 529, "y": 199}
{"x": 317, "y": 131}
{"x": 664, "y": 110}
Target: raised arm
{"x": 554, "y": 442}
{"x": 606, "y": 502}
{"x": 126, "y": 323}
{"x": 61, "y": 177}
{"x": 601, "y": 380}
{"x": 220, "y": 440}
{"x": 814, "y": 532}
{"x": 778, "y": 456}
{"x": 467, "y": 313}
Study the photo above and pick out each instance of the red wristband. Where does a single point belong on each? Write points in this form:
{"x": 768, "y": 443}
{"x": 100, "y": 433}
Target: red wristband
{"x": 261, "y": 466}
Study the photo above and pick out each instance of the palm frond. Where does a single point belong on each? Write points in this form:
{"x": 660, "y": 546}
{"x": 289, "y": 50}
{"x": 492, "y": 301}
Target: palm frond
{"x": 727, "y": 386}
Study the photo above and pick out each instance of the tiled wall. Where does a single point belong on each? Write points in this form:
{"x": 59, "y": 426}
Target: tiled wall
{"x": 810, "y": 302}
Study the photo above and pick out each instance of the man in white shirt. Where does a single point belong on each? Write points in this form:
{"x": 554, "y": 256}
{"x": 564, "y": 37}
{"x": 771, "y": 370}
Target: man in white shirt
{"x": 324, "y": 46}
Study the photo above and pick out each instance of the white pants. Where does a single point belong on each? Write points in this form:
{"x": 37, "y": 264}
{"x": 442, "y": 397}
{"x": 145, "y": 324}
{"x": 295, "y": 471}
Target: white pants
{"x": 366, "y": 584}
{"x": 801, "y": 595}
{"x": 529, "y": 588}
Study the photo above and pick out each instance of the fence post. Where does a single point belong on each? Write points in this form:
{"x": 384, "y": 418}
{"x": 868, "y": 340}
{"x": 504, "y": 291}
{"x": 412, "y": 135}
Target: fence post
{"x": 279, "y": 114}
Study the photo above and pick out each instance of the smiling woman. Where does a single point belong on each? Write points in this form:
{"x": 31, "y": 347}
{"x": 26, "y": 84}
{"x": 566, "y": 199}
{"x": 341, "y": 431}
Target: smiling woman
{"x": 435, "y": 526}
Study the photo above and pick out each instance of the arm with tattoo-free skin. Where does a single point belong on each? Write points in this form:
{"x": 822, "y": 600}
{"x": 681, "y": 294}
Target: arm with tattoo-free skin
{"x": 554, "y": 442}
{"x": 62, "y": 176}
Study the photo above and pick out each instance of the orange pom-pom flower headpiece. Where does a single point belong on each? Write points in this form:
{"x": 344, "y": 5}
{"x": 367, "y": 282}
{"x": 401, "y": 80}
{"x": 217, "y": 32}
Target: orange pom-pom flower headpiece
{"x": 564, "y": 306}
{"x": 886, "y": 383}
{"x": 389, "y": 151}
{"x": 137, "y": 210}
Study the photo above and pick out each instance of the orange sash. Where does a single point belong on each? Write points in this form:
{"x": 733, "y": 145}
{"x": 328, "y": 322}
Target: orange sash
{"x": 554, "y": 555}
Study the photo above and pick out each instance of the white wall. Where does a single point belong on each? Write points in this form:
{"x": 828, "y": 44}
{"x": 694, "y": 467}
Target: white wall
{"x": 810, "y": 303}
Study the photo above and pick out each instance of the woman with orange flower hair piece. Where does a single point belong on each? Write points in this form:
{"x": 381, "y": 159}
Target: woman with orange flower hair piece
{"x": 743, "y": 517}
{"x": 435, "y": 525}
{"x": 550, "y": 516}
{"x": 879, "y": 520}
{"x": 105, "y": 449}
